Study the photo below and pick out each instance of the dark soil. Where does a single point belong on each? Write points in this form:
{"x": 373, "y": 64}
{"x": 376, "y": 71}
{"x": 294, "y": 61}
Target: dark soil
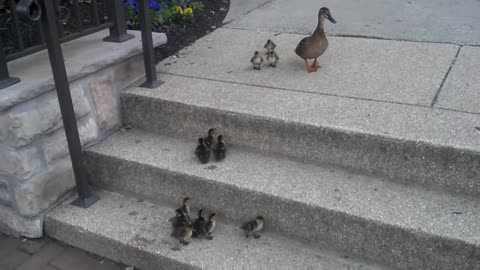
{"x": 182, "y": 35}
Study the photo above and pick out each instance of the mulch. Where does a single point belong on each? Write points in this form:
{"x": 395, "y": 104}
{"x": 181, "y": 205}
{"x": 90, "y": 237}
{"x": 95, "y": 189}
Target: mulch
{"x": 182, "y": 35}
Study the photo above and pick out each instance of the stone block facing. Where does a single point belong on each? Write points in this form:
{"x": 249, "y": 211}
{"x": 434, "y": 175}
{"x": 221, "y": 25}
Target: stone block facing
{"x": 55, "y": 146}
{"x": 108, "y": 113}
{"x": 21, "y": 163}
{"x": 41, "y": 191}
{"x": 32, "y": 119}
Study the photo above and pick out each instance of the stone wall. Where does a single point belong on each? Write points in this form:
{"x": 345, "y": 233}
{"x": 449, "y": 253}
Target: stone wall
{"x": 35, "y": 168}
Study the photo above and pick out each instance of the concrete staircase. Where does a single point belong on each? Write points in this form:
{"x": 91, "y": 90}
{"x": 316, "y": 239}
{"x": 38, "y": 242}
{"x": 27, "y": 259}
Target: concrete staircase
{"x": 343, "y": 183}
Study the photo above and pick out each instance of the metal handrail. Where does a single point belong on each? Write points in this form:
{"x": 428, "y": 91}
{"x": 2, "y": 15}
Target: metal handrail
{"x": 147, "y": 42}
{"x": 48, "y": 19}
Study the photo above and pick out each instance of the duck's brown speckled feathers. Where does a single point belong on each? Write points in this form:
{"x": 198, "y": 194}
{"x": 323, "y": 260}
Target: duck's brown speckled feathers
{"x": 315, "y": 45}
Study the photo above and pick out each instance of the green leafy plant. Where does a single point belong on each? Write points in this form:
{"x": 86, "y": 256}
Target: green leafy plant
{"x": 162, "y": 12}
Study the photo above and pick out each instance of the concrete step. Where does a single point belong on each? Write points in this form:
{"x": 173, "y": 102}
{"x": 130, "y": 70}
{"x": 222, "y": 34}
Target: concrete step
{"x": 136, "y": 232}
{"x": 410, "y": 144}
{"x": 403, "y": 226}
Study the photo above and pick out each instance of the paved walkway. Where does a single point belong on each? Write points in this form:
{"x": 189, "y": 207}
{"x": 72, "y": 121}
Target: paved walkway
{"x": 446, "y": 21}
{"x": 47, "y": 254}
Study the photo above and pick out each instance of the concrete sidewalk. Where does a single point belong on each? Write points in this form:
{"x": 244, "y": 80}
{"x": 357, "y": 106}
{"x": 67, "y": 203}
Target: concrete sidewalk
{"x": 47, "y": 254}
{"x": 368, "y": 58}
{"x": 446, "y": 21}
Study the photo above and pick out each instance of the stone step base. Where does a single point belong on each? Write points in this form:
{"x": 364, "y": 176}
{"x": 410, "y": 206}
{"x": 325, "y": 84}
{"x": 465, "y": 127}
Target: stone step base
{"x": 409, "y": 144}
{"x": 403, "y": 226}
{"x": 137, "y": 232}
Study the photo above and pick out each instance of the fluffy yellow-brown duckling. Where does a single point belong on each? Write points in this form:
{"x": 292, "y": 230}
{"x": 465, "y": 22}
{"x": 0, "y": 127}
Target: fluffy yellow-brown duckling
{"x": 270, "y": 46}
{"x": 199, "y": 224}
{"x": 272, "y": 58}
{"x": 202, "y": 151}
{"x": 210, "y": 226}
{"x": 257, "y": 61}
{"x": 252, "y": 227}
{"x": 210, "y": 139}
{"x": 184, "y": 233}
{"x": 220, "y": 149}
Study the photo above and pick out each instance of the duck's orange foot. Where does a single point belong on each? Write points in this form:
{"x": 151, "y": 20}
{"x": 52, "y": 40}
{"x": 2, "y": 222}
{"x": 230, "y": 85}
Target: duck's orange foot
{"x": 312, "y": 67}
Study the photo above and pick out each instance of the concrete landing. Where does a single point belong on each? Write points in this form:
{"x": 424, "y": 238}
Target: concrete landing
{"x": 391, "y": 71}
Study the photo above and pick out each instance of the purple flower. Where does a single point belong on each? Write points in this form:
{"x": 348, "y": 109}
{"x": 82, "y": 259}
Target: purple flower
{"x": 129, "y": 24}
{"x": 132, "y": 4}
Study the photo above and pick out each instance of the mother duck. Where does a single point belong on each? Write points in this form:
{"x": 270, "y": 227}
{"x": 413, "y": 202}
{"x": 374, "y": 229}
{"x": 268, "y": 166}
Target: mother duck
{"x": 315, "y": 45}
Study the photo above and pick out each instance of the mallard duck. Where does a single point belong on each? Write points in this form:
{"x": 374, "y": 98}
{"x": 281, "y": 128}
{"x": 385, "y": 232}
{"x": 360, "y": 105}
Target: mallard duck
{"x": 315, "y": 45}
{"x": 252, "y": 227}
{"x": 210, "y": 139}
{"x": 256, "y": 60}
{"x": 210, "y": 226}
{"x": 202, "y": 151}
{"x": 272, "y": 58}
{"x": 220, "y": 149}
{"x": 270, "y": 46}
{"x": 199, "y": 224}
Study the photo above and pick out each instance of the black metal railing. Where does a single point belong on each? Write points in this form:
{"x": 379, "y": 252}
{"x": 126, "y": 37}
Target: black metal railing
{"x": 50, "y": 19}
{"x": 21, "y": 34}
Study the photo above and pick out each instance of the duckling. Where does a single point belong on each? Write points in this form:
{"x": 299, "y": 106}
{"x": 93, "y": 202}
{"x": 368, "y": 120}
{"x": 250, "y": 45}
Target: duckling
{"x": 220, "y": 149}
{"x": 272, "y": 58}
{"x": 210, "y": 139}
{"x": 270, "y": 46}
{"x": 181, "y": 219}
{"x": 254, "y": 226}
{"x": 184, "y": 210}
{"x": 210, "y": 226}
{"x": 256, "y": 60}
{"x": 315, "y": 45}
{"x": 199, "y": 224}
{"x": 202, "y": 151}
{"x": 183, "y": 234}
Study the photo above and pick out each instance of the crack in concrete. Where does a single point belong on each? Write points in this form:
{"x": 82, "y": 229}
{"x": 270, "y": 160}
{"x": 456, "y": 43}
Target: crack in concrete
{"x": 439, "y": 90}
{"x": 247, "y": 12}
{"x": 257, "y": 7}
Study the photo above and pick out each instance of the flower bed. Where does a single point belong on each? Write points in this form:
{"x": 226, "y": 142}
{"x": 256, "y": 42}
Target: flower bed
{"x": 182, "y": 21}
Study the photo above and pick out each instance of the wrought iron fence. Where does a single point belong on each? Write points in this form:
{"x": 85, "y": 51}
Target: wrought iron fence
{"x": 20, "y": 36}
